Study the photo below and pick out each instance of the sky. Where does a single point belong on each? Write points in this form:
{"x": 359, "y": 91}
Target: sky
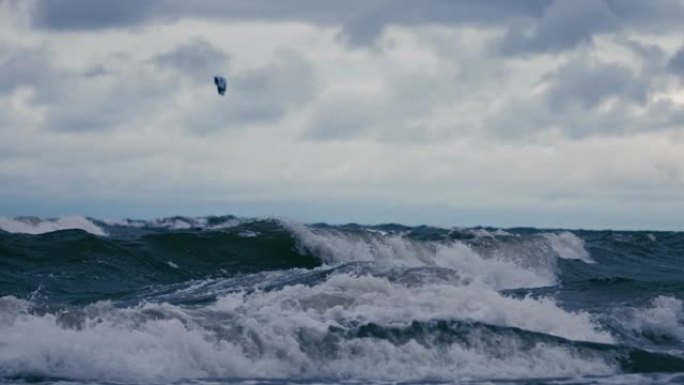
{"x": 544, "y": 113}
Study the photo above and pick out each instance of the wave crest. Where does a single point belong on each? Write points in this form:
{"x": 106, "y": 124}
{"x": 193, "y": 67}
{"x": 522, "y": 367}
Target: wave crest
{"x": 34, "y": 225}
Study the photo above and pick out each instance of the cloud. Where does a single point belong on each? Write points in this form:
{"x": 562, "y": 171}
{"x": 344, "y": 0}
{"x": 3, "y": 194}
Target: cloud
{"x": 365, "y": 28}
{"x": 676, "y": 63}
{"x": 197, "y": 58}
{"x": 588, "y": 98}
{"x": 109, "y": 94}
{"x": 652, "y": 56}
{"x": 86, "y": 14}
{"x": 534, "y": 26}
{"x": 24, "y": 67}
{"x": 128, "y": 99}
{"x": 361, "y": 21}
{"x": 344, "y": 117}
{"x": 259, "y": 95}
{"x": 96, "y": 99}
{"x": 469, "y": 95}
{"x": 656, "y": 16}
{"x": 94, "y": 109}
{"x": 587, "y": 85}
{"x": 399, "y": 112}
{"x": 565, "y": 24}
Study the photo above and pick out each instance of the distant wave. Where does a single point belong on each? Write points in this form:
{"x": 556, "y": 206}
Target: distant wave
{"x": 182, "y": 223}
{"x": 35, "y": 225}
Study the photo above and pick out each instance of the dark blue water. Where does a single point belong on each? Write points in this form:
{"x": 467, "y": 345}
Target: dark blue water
{"x": 227, "y": 300}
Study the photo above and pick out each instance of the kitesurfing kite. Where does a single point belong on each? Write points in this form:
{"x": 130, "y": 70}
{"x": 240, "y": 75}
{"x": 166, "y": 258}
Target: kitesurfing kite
{"x": 220, "y": 82}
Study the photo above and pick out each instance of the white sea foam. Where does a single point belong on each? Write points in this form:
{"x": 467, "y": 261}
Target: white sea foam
{"x": 569, "y": 246}
{"x": 289, "y": 332}
{"x": 282, "y": 334}
{"x": 502, "y": 270}
{"x": 663, "y": 319}
{"x": 34, "y": 225}
{"x": 484, "y": 233}
{"x": 369, "y": 299}
{"x": 110, "y": 346}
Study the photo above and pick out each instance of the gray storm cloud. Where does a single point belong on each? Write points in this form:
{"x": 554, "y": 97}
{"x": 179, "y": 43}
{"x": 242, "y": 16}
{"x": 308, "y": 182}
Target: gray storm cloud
{"x": 538, "y": 25}
{"x": 253, "y": 96}
{"x": 197, "y": 58}
{"x": 676, "y": 64}
{"x": 72, "y": 100}
{"x": 369, "y": 16}
{"x": 486, "y": 105}
{"x": 23, "y": 67}
{"x": 84, "y": 14}
{"x": 587, "y": 85}
{"x": 564, "y": 25}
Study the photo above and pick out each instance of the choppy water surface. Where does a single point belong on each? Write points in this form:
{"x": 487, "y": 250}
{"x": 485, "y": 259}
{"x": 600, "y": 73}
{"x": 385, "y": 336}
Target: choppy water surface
{"x": 221, "y": 300}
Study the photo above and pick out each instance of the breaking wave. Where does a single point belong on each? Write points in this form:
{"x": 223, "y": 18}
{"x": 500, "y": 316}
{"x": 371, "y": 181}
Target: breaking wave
{"x": 226, "y": 298}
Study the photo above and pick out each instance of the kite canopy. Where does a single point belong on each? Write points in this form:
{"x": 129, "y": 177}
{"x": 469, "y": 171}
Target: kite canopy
{"x": 220, "y": 82}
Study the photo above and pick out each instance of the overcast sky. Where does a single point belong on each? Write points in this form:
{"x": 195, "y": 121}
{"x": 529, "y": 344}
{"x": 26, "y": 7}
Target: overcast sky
{"x": 546, "y": 113}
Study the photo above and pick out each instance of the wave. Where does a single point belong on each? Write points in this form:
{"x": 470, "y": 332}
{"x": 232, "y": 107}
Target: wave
{"x": 35, "y": 225}
{"x": 138, "y": 255}
{"x": 75, "y": 266}
{"x": 501, "y": 270}
{"x": 659, "y": 323}
{"x": 568, "y": 246}
{"x": 182, "y": 223}
{"x": 348, "y": 326}
{"x": 223, "y": 297}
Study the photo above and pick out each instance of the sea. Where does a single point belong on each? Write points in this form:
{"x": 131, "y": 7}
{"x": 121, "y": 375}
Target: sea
{"x": 231, "y": 300}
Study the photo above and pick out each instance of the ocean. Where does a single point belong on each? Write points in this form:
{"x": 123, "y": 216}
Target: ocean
{"x": 228, "y": 300}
